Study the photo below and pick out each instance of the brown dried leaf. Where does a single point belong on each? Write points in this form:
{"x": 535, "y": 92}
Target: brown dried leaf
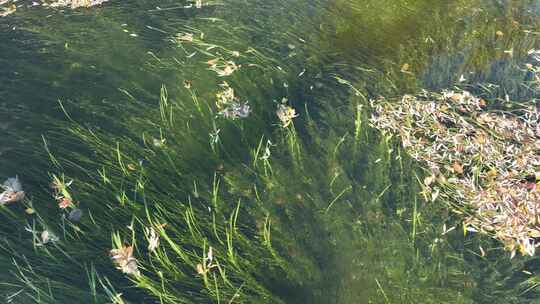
{"x": 458, "y": 168}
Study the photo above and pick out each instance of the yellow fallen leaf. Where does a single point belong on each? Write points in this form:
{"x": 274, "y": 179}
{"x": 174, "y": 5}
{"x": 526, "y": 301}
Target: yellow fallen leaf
{"x": 534, "y": 233}
{"x": 405, "y": 67}
{"x": 429, "y": 180}
{"x": 200, "y": 269}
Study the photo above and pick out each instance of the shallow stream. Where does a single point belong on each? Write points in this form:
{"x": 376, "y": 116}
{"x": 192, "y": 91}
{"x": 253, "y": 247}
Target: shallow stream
{"x": 121, "y": 98}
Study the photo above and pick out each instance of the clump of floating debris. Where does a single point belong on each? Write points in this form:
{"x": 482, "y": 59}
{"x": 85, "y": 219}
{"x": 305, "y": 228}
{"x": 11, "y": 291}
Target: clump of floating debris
{"x": 8, "y": 7}
{"x": 124, "y": 260}
{"x": 13, "y": 191}
{"x": 285, "y": 114}
{"x": 74, "y": 3}
{"x": 229, "y": 105}
{"x": 486, "y": 162}
{"x": 223, "y": 67}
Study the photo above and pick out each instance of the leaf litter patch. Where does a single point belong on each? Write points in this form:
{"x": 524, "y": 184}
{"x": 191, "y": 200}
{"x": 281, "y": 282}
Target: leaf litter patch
{"x": 8, "y": 7}
{"x": 485, "y": 162}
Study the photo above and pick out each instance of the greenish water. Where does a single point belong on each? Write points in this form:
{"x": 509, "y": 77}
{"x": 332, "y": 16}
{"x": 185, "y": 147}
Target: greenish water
{"x": 339, "y": 200}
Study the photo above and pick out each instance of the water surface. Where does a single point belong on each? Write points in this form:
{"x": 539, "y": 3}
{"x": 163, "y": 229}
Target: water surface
{"x": 348, "y": 217}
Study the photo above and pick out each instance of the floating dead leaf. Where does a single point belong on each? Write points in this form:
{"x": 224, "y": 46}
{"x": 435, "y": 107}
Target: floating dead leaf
{"x": 458, "y": 168}
{"x": 184, "y": 37}
{"x": 429, "y": 180}
{"x": 47, "y": 237}
{"x": 153, "y": 239}
{"x": 200, "y": 269}
{"x": 124, "y": 260}
{"x": 210, "y": 255}
{"x": 535, "y": 233}
{"x": 8, "y": 10}
{"x": 482, "y": 102}
{"x": 212, "y": 61}
{"x": 286, "y": 115}
{"x": 481, "y": 138}
{"x": 64, "y": 202}
{"x": 13, "y": 191}
{"x": 491, "y": 175}
{"x": 8, "y": 197}
{"x": 405, "y": 67}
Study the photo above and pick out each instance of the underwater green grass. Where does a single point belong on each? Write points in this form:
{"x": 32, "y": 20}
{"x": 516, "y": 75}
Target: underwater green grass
{"x": 331, "y": 215}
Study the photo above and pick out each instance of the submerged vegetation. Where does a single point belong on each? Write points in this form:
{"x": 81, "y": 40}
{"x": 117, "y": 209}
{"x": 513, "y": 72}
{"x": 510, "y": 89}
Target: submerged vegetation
{"x": 257, "y": 173}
